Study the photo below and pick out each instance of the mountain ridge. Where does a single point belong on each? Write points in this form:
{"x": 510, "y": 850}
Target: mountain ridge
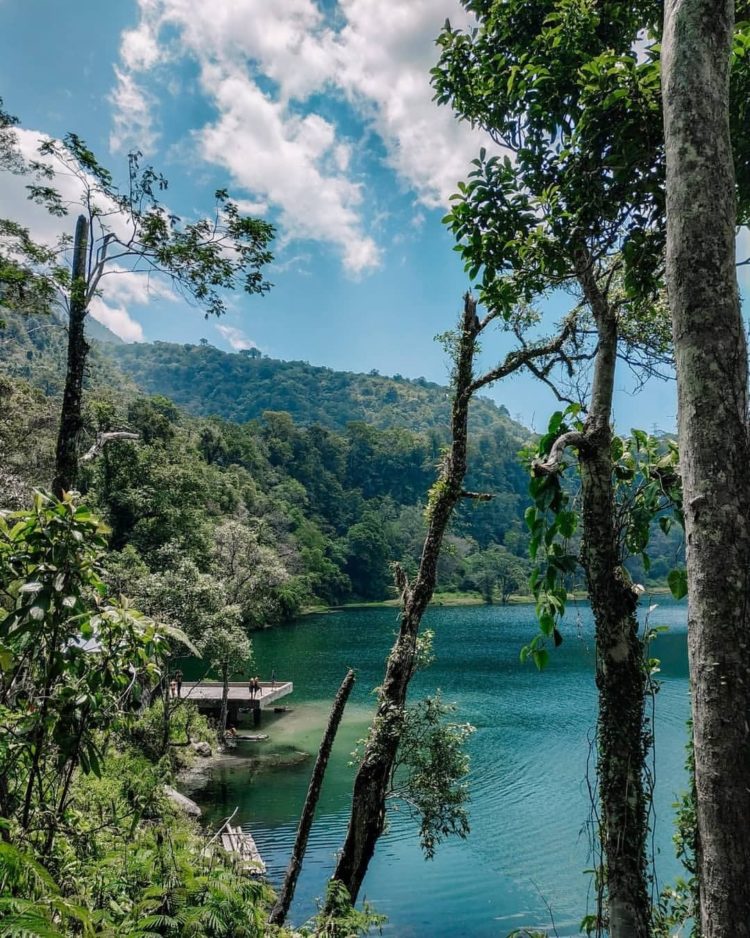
{"x": 207, "y": 381}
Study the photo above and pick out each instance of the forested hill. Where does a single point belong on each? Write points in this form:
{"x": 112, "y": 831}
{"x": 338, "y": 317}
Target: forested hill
{"x": 327, "y": 509}
{"x": 241, "y": 386}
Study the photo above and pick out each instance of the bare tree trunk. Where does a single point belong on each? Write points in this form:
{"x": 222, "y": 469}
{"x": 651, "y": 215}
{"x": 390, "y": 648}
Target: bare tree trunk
{"x": 280, "y": 910}
{"x": 224, "y": 701}
{"x": 373, "y": 778}
{"x": 66, "y": 457}
{"x": 712, "y": 375}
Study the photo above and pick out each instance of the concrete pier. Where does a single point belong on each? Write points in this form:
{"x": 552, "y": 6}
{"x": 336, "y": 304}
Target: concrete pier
{"x": 207, "y": 695}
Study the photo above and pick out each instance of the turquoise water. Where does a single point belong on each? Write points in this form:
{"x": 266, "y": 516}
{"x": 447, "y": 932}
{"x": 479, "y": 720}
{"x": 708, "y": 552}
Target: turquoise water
{"x": 523, "y": 862}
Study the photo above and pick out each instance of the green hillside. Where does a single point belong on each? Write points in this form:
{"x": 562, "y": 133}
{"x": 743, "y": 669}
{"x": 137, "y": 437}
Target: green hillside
{"x": 335, "y": 506}
{"x": 207, "y": 381}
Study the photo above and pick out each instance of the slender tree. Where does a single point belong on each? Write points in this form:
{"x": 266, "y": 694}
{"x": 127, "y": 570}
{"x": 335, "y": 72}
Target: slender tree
{"x": 131, "y": 231}
{"x": 712, "y": 379}
{"x": 227, "y": 648}
{"x": 66, "y": 455}
{"x": 561, "y": 88}
{"x": 373, "y": 781}
{"x": 286, "y": 894}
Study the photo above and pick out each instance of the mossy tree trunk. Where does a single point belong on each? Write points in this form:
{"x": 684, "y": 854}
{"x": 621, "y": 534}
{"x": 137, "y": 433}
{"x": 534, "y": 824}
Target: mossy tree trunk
{"x": 620, "y": 666}
{"x": 374, "y": 776}
{"x": 622, "y": 733}
{"x": 373, "y": 779}
{"x": 712, "y": 376}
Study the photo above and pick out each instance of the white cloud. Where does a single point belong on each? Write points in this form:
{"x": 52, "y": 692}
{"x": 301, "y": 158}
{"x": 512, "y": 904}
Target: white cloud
{"x": 117, "y": 319}
{"x": 235, "y": 337}
{"x": 133, "y": 116}
{"x": 132, "y": 286}
{"x": 278, "y": 157}
{"x": 120, "y": 288}
{"x": 384, "y": 53}
{"x": 259, "y": 65}
{"x": 139, "y": 48}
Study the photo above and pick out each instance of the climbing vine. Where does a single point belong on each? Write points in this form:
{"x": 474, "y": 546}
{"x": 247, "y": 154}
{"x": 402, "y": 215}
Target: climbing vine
{"x": 648, "y": 492}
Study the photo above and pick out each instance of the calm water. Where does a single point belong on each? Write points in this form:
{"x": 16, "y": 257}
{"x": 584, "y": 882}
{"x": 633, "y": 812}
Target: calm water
{"x": 529, "y": 844}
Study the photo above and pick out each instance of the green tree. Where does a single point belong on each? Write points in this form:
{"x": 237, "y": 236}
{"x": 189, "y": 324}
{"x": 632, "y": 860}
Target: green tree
{"x": 133, "y": 230}
{"x": 254, "y": 576}
{"x": 496, "y": 569}
{"x": 368, "y": 557}
{"x": 72, "y": 660}
{"x": 561, "y": 87}
{"x": 226, "y": 647}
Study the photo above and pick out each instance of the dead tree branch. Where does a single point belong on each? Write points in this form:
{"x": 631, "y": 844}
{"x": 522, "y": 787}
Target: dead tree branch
{"x": 102, "y": 439}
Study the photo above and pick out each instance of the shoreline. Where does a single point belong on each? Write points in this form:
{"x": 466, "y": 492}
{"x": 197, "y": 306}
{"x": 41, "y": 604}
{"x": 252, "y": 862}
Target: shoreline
{"x": 458, "y": 599}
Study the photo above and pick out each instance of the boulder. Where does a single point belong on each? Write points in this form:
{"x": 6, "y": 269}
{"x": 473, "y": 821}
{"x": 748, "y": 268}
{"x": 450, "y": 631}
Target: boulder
{"x": 202, "y": 749}
{"x": 182, "y": 802}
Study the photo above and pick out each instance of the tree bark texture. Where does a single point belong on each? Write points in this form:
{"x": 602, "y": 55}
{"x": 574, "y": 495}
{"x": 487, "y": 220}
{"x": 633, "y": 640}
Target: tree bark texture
{"x": 373, "y": 779}
{"x": 712, "y": 375}
{"x": 224, "y": 702}
{"x": 281, "y": 908}
{"x": 66, "y": 456}
{"x": 620, "y": 668}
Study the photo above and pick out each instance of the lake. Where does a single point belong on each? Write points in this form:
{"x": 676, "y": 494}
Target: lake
{"x": 523, "y": 863}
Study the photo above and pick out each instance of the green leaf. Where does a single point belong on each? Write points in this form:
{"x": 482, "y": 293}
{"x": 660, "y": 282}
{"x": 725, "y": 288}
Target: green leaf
{"x": 32, "y": 587}
{"x": 547, "y": 622}
{"x": 541, "y": 658}
{"x": 567, "y": 522}
{"x": 677, "y": 580}
{"x": 665, "y": 523}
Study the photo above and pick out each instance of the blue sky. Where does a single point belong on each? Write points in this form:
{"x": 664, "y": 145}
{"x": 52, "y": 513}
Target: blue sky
{"x": 317, "y": 115}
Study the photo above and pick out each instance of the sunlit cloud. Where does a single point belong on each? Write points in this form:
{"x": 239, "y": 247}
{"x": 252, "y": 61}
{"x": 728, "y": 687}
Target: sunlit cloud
{"x": 235, "y": 337}
{"x": 260, "y": 65}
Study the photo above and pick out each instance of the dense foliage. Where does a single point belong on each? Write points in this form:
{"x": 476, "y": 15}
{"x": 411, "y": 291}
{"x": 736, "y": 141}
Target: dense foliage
{"x": 89, "y": 843}
{"x": 242, "y": 386}
{"x": 317, "y": 514}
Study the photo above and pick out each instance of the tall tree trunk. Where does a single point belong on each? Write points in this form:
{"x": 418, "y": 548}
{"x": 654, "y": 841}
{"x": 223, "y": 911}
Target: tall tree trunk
{"x": 66, "y": 457}
{"x": 280, "y": 910}
{"x": 712, "y": 375}
{"x": 373, "y": 780}
{"x": 224, "y": 701}
{"x": 622, "y": 737}
{"x": 620, "y": 670}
